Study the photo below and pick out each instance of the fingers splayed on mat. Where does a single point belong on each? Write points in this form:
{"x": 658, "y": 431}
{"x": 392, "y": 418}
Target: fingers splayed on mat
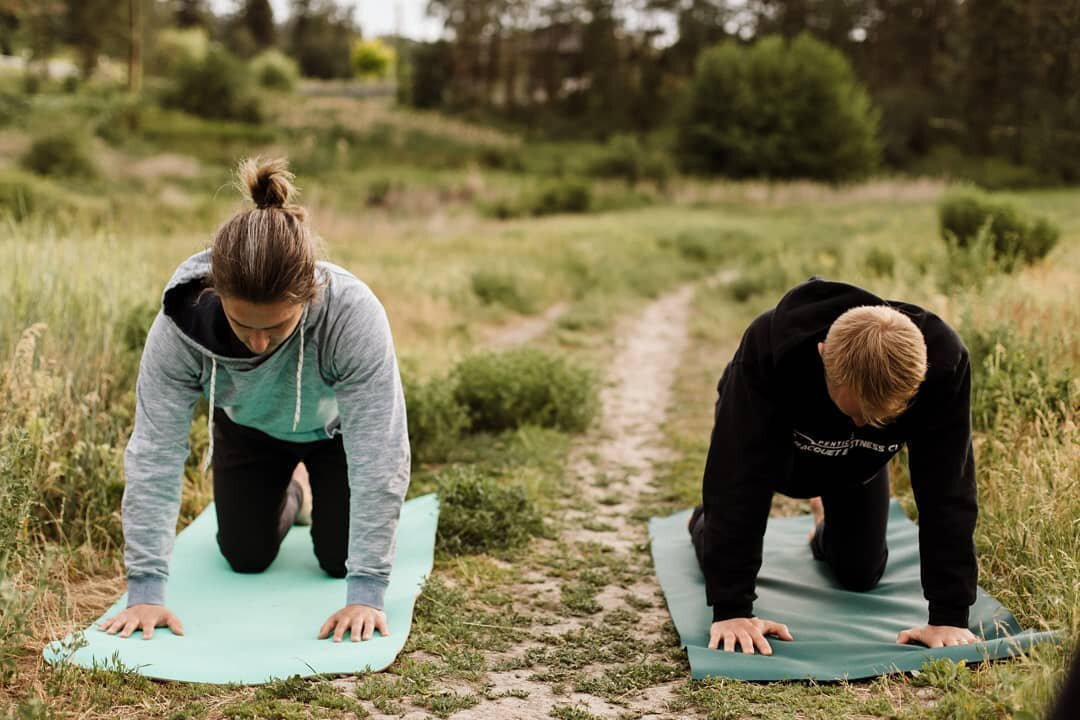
{"x": 142, "y": 617}
{"x": 360, "y": 621}
{"x": 935, "y": 636}
{"x": 748, "y": 633}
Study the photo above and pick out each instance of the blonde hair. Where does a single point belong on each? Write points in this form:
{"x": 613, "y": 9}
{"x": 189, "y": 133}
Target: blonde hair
{"x": 266, "y": 254}
{"x": 879, "y": 354}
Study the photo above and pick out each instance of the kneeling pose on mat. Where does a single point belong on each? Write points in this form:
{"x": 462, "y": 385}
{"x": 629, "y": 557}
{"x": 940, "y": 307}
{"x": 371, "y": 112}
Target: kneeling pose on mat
{"x": 296, "y": 359}
{"x": 822, "y": 391}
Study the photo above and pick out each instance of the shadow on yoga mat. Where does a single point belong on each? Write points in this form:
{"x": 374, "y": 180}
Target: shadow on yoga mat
{"x": 254, "y": 628}
{"x": 838, "y": 634}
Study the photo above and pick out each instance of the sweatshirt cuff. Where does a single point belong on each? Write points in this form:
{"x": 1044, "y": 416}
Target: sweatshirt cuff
{"x": 727, "y": 612}
{"x": 366, "y": 590}
{"x": 951, "y": 615}
{"x": 146, "y": 590}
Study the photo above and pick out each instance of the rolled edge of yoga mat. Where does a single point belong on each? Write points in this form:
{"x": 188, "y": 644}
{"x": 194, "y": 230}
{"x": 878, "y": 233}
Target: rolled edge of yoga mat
{"x": 292, "y": 587}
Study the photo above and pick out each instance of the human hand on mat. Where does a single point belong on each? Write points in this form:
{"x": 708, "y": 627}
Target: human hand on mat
{"x": 142, "y": 617}
{"x": 935, "y": 636}
{"x": 359, "y": 620}
{"x": 748, "y": 633}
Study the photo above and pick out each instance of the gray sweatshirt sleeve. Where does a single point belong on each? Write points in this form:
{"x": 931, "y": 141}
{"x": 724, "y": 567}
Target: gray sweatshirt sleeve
{"x": 371, "y": 403}
{"x": 165, "y": 395}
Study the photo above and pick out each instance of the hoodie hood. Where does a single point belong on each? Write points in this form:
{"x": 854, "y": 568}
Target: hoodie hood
{"x": 803, "y": 316}
{"x": 200, "y": 320}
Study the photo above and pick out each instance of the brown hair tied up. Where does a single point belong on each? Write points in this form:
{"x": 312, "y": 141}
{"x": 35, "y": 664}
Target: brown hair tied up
{"x": 266, "y": 254}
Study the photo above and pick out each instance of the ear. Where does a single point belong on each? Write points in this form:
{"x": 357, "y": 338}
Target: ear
{"x": 821, "y": 349}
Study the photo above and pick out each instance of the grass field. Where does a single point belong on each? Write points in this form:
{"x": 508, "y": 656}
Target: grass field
{"x": 567, "y": 625}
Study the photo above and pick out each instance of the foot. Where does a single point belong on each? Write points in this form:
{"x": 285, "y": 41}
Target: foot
{"x": 817, "y": 509}
{"x": 303, "y": 513}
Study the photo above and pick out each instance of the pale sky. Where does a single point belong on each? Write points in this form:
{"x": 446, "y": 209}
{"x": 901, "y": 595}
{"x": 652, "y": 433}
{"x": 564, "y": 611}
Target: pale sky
{"x": 376, "y": 17}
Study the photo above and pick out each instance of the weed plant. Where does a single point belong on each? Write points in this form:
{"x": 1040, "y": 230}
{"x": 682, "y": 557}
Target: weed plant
{"x": 493, "y": 287}
{"x": 60, "y": 154}
{"x": 437, "y": 421}
{"x": 479, "y": 513}
{"x": 503, "y": 391}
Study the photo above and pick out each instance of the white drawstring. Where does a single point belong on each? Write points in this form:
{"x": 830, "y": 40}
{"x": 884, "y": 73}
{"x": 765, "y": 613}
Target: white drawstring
{"x": 210, "y": 415}
{"x": 299, "y": 372}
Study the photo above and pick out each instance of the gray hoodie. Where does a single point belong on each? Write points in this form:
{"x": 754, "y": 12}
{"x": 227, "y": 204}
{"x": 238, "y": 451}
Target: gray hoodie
{"x": 336, "y": 373}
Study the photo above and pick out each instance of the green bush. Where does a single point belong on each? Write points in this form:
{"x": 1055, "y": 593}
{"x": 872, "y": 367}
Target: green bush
{"x": 437, "y": 421}
{"x": 121, "y": 119}
{"x": 626, "y": 158}
{"x": 274, "y": 70}
{"x": 1016, "y": 237}
{"x": 174, "y": 47}
{"x": 217, "y": 86}
{"x": 503, "y": 391}
{"x": 567, "y": 195}
{"x": 777, "y": 109}
{"x": 880, "y": 261}
{"x": 23, "y": 195}
{"x": 480, "y": 514}
{"x": 14, "y": 108}
{"x": 60, "y": 154}
{"x": 710, "y": 246}
{"x": 1013, "y": 379}
{"x": 493, "y": 287}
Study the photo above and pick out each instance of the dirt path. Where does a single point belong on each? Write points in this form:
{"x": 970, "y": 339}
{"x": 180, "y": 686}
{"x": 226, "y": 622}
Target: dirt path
{"x": 527, "y": 329}
{"x": 604, "y": 651}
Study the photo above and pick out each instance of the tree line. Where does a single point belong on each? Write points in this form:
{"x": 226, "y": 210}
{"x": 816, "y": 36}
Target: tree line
{"x": 997, "y": 79}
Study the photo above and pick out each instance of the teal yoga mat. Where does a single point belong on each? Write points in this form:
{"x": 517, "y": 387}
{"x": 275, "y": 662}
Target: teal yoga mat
{"x": 255, "y": 628}
{"x": 838, "y": 634}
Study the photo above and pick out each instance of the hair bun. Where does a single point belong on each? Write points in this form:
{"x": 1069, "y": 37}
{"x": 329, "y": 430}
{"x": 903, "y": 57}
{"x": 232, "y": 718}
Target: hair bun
{"x": 268, "y": 182}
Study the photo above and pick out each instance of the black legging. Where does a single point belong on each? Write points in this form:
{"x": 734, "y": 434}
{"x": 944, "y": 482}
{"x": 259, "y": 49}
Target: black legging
{"x": 256, "y": 505}
{"x": 852, "y": 537}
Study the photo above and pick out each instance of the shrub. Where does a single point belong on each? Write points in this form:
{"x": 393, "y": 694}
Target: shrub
{"x": 436, "y": 420}
{"x": 503, "y": 391}
{"x": 60, "y": 155}
{"x": 626, "y": 158}
{"x": 880, "y": 261}
{"x": 274, "y": 70}
{"x": 481, "y": 514}
{"x": 121, "y": 119}
{"x": 1012, "y": 378}
{"x": 372, "y": 59}
{"x": 499, "y": 288}
{"x": 1014, "y": 235}
{"x": 762, "y": 278}
{"x": 777, "y": 109}
{"x": 568, "y": 195}
{"x": 23, "y": 195}
{"x": 175, "y": 47}
{"x": 14, "y": 108}
{"x": 378, "y": 192}
{"x": 217, "y": 86}
{"x": 710, "y": 246}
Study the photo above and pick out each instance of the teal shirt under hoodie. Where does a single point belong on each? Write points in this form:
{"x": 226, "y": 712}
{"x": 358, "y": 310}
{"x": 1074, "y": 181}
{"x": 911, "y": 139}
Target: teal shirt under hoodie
{"x": 343, "y": 354}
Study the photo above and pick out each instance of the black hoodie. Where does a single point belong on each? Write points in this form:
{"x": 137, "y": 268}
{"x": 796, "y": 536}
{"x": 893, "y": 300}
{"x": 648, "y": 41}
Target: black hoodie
{"x": 777, "y": 430}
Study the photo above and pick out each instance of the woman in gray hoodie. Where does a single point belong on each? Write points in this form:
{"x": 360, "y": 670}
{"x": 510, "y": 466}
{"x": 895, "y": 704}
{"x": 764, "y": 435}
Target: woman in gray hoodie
{"x": 296, "y": 359}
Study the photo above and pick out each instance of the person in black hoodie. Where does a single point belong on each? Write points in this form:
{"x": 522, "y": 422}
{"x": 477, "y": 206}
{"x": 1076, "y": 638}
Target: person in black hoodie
{"x": 822, "y": 391}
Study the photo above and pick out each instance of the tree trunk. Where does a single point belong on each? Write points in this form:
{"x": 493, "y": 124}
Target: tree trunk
{"x": 135, "y": 47}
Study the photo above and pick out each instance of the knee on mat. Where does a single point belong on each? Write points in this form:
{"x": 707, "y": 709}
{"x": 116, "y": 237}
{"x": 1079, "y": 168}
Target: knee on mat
{"x": 860, "y": 579}
{"x": 333, "y": 564}
{"x": 248, "y": 559}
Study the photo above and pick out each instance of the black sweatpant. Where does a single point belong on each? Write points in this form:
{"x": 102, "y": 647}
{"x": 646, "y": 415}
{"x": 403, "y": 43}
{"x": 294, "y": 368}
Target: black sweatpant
{"x": 256, "y": 504}
{"x": 851, "y": 539}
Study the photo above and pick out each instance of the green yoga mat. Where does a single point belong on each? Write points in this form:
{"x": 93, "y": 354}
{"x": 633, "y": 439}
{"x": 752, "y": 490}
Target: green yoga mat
{"x": 255, "y": 628}
{"x": 839, "y": 635}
